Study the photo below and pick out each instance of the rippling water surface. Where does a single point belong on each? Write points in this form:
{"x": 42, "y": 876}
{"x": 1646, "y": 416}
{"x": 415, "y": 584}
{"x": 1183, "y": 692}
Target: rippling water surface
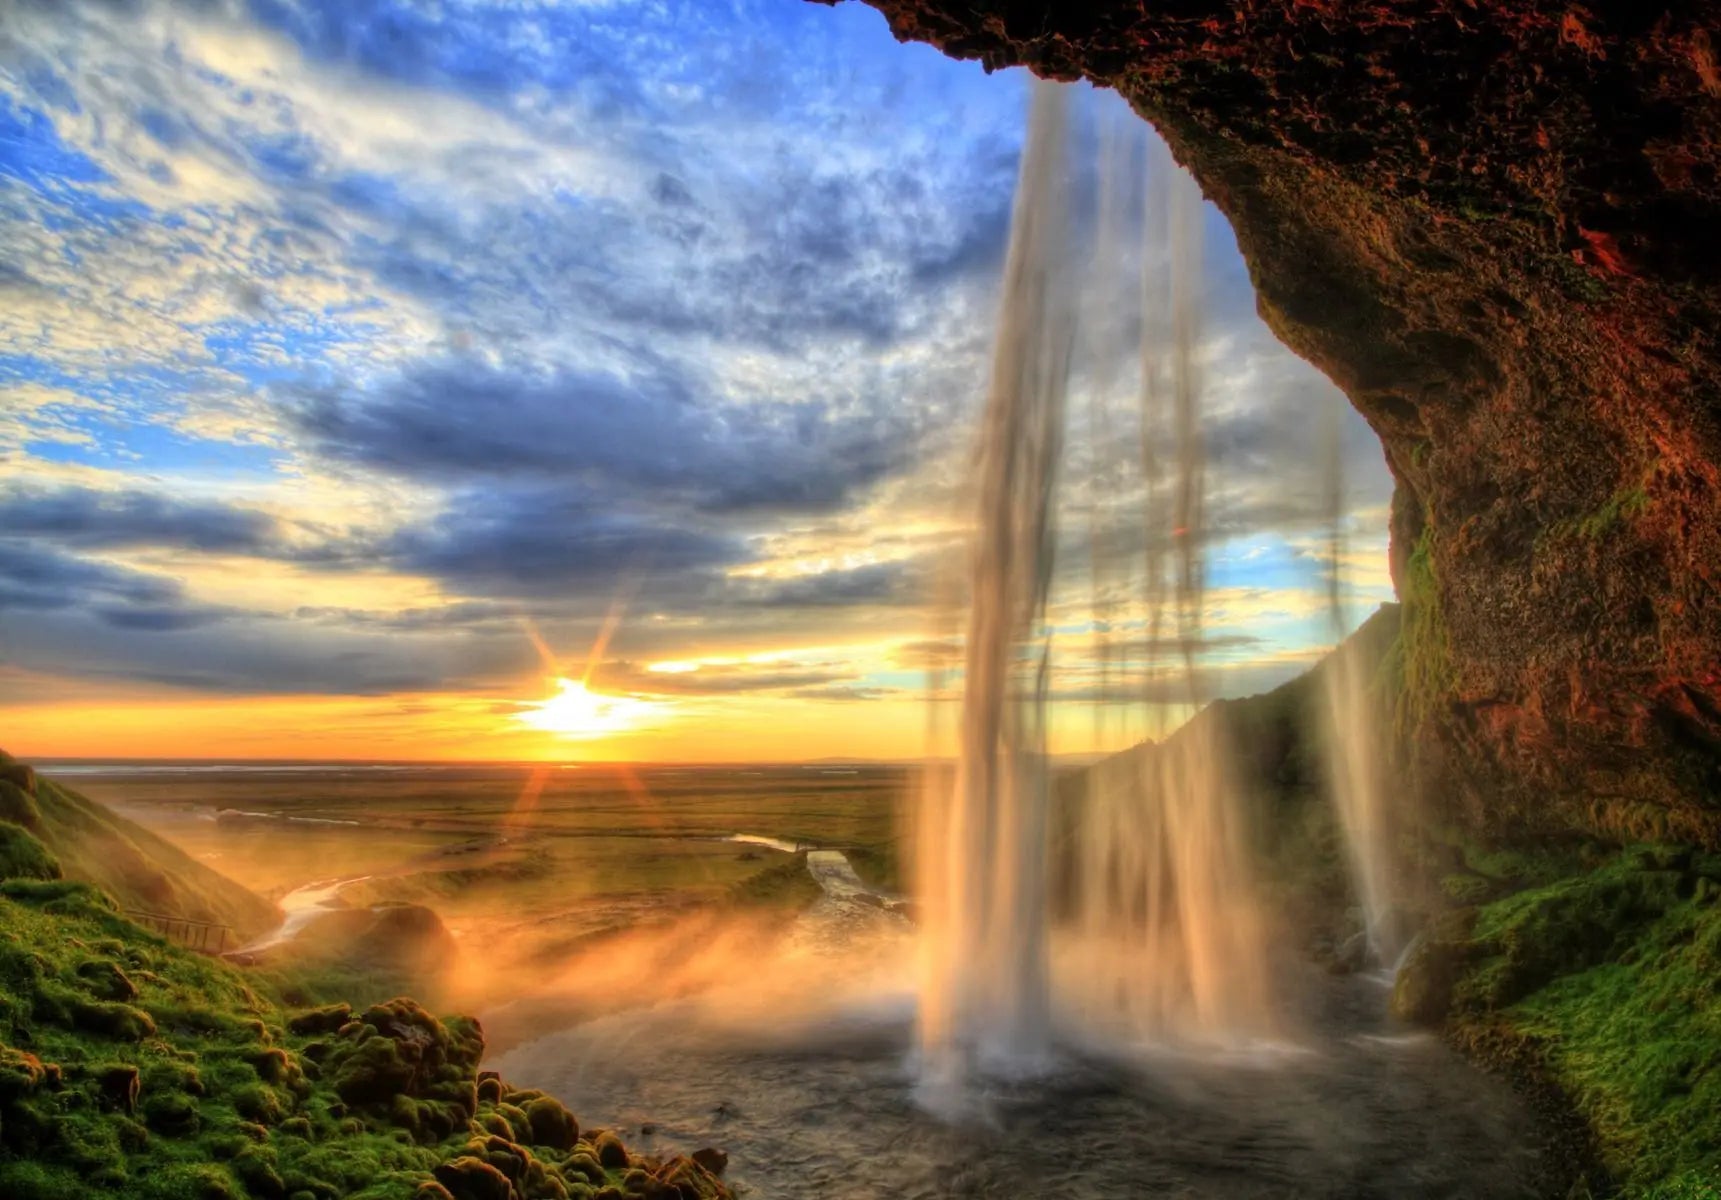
{"x": 1353, "y": 1106}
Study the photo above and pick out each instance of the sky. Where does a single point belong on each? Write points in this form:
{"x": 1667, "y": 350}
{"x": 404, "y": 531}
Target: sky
{"x": 372, "y": 369}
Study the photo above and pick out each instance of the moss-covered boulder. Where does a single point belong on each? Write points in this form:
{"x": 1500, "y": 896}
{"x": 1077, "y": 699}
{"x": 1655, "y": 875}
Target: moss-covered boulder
{"x": 471, "y": 1178}
{"x": 22, "y": 856}
{"x": 552, "y": 1124}
{"x": 327, "y": 1019}
{"x": 1429, "y": 974}
{"x": 400, "y": 1059}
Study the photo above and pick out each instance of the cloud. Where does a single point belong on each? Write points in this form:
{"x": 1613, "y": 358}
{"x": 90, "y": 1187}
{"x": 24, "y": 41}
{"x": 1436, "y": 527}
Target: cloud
{"x": 715, "y": 679}
{"x": 160, "y": 618}
{"x": 536, "y": 542}
{"x": 842, "y": 692}
{"x": 90, "y": 519}
{"x": 651, "y": 437}
{"x": 34, "y": 577}
{"x": 887, "y": 583}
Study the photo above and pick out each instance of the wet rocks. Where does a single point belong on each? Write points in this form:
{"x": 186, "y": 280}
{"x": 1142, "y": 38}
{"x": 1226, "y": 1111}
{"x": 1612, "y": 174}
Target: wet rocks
{"x": 712, "y": 1159}
{"x": 1428, "y": 978}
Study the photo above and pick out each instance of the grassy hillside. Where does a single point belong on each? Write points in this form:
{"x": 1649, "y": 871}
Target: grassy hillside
{"x": 140, "y": 870}
{"x": 132, "y": 1068}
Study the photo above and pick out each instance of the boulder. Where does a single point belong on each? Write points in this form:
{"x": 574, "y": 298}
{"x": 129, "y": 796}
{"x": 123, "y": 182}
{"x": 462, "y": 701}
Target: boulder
{"x": 552, "y": 1124}
{"x": 711, "y": 1159}
{"x": 327, "y": 1019}
{"x": 118, "y": 1087}
{"x": 1422, "y": 992}
{"x": 470, "y": 1178}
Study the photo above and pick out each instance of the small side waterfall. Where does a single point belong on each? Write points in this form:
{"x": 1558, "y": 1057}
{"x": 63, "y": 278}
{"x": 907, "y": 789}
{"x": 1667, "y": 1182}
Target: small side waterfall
{"x": 1352, "y": 739}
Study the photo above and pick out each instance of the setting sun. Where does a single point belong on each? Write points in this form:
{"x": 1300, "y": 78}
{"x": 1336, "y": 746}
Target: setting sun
{"x": 575, "y": 711}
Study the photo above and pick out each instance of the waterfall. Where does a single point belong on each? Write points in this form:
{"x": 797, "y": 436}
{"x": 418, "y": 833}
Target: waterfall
{"x": 985, "y": 993}
{"x": 1168, "y": 937}
{"x": 1165, "y": 935}
{"x": 1351, "y": 737}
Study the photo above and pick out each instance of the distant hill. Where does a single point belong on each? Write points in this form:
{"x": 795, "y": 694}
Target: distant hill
{"x": 139, "y": 869}
{"x": 1277, "y": 766}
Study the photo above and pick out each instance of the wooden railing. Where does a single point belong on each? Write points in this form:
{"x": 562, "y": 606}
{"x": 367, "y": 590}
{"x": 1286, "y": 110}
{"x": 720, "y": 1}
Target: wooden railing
{"x": 205, "y": 936}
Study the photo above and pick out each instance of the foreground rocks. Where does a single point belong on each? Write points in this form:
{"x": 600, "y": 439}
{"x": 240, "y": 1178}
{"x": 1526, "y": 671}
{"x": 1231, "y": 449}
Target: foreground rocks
{"x": 130, "y": 1067}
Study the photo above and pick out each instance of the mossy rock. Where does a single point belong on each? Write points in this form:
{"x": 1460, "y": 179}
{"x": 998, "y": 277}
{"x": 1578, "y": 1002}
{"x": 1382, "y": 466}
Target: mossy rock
{"x": 22, "y": 856}
{"x": 207, "y": 1086}
{"x": 118, "y": 1086}
{"x": 327, "y": 1019}
{"x": 256, "y": 1168}
{"x": 107, "y": 980}
{"x": 172, "y": 1113}
{"x": 22, "y": 1073}
{"x": 584, "y": 1164}
{"x": 119, "y": 1021}
{"x": 518, "y": 1122}
{"x": 610, "y": 1152}
{"x": 1429, "y": 976}
{"x": 471, "y": 1178}
{"x": 552, "y": 1124}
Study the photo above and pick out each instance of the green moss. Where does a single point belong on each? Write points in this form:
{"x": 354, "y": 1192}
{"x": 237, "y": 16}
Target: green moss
{"x": 1623, "y": 505}
{"x": 22, "y": 856}
{"x": 1465, "y": 889}
{"x": 1615, "y": 973}
{"x": 28, "y": 1180}
{"x": 1423, "y": 658}
{"x": 138, "y": 868}
{"x": 130, "y": 1067}
{"x": 215, "y": 1085}
{"x": 19, "y": 806}
{"x": 552, "y": 1124}
{"x": 1626, "y": 504}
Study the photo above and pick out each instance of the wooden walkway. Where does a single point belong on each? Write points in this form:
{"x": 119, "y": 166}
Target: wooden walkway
{"x": 204, "y": 936}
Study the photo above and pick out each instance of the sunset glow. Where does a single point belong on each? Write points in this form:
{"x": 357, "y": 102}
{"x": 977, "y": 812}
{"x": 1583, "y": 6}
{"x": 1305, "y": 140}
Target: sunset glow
{"x": 577, "y": 712}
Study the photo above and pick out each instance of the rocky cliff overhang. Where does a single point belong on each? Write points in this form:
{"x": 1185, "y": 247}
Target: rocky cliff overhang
{"x": 1497, "y": 226}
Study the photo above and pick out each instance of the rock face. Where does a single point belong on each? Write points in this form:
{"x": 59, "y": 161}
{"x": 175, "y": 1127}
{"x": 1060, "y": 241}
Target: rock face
{"x": 1498, "y": 228}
